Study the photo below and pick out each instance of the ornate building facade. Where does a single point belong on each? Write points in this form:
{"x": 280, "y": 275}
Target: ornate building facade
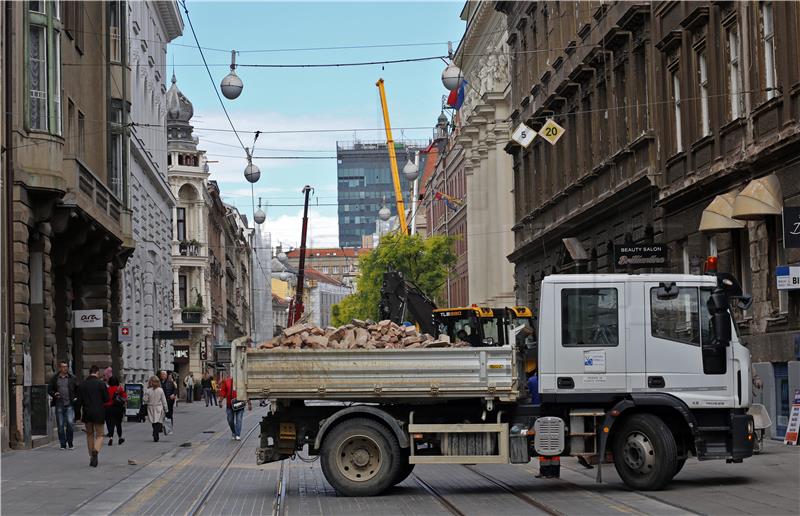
{"x": 681, "y": 128}
{"x": 147, "y": 277}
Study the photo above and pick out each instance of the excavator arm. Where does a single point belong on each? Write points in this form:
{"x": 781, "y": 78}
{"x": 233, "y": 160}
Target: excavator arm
{"x": 400, "y": 298}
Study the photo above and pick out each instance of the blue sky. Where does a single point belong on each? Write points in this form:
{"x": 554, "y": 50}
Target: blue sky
{"x": 300, "y": 99}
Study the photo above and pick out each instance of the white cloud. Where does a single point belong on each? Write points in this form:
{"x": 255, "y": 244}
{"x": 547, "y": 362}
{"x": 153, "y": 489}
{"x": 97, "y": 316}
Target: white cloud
{"x": 323, "y": 231}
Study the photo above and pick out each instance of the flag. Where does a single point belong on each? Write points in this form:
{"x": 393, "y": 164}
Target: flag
{"x": 461, "y": 94}
{"x": 437, "y": 196}
{"x": 452, "y": 98}
{"x": 450, "y": 205}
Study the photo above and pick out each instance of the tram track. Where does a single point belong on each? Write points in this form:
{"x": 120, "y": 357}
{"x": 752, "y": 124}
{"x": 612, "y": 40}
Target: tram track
{"x": 211, "y": 486}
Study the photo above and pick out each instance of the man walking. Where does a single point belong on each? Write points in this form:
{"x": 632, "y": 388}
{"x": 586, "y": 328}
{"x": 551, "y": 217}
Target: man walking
{"x": 188, "y": 382}
{"x": 235, "y": 414}
{"x": 93, "y": 396}
{"x": 63, "y": 391}
{"x": 169, "y": 388}
{"x": 205, "y": 383}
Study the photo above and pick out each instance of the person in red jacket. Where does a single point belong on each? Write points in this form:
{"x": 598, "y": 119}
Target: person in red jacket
{"x": 115, "y": 409}
{"x": 228, "y": 393}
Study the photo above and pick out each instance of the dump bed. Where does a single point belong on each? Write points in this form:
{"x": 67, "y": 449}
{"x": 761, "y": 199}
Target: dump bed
{"x": 374, "y": 375}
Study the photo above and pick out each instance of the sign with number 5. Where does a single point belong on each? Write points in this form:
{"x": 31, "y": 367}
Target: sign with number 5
{"x": 551, "y": 131}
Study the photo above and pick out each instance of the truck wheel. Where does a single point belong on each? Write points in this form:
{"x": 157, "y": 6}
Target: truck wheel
{"x": 404, "y": 470}
{"x": 645, "y": 454}
{"x": 360, "y": 457}
{"x": 679, "y": 467}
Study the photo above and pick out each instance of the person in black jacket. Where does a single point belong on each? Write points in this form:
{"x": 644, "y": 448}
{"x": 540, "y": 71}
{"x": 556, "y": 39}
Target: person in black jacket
{"x": 63, "y": 391}
{"x": 93, "y": 396}
{"x": 170, "y": 392}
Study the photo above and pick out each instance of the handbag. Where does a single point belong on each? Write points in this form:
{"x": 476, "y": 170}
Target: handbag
{"x": 238, "y": 405}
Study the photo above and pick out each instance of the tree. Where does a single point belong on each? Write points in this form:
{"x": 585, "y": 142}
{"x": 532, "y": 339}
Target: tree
{"x": 424, "y": 261}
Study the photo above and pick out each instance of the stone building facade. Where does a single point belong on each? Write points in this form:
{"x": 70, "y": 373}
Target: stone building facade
{"x": 481, "y": 134}
{"x": 190, "y": 254}
{"x": 67, "y": 154}
{"x": 681, "y": 128}
{"x": 147, "y": 277}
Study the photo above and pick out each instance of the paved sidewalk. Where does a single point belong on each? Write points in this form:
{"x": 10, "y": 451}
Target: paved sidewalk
{"x": 48, "y": 481}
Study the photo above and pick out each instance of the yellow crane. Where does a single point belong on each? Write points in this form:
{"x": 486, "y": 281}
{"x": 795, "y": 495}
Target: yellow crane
{"x": 398, "y": 192}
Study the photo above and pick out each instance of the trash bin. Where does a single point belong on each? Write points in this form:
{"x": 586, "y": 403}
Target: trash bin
{"x": 135, "y": 393}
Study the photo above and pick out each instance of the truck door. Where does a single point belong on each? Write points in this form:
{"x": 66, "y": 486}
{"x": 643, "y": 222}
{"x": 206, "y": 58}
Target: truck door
{"x": 675, "y": 331}
{"x": 590, "y": 338}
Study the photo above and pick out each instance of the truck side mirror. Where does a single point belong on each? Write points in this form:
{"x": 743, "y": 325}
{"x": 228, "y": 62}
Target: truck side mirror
{"x": 667, "y": 291}
{"x": 721, "y": 317}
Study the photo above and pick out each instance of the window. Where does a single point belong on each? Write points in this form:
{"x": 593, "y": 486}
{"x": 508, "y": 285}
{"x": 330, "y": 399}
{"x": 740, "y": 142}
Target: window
{"x": 734, "y": 73}
{"x": 768, "y": 30}
{"x": 37, "y": 65}
{"x": 181, "y": 223}
{"x": 44, "y": 67}
{"x": 115, "y": 176}
{"x": 81, "y": 135}
{"x": 115, "y": 43}
{"x": 182, "y": 292}
{"x": 705, "y": 127}
{"x": 685, "y": 258}
{"x": 676, "y": 319}
{"x": 589, "y": 317}
{"x": 676, "y": 101}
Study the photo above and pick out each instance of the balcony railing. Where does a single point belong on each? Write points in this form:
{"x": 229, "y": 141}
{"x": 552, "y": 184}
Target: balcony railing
{"x": 189, "y": 248}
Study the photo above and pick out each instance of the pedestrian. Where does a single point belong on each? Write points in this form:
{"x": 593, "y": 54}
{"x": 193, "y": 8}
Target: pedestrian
{"x": 214, "y": 391}
{"x": 157, "y": 405}
{"x": 188, "y": 382}
{"x": 115, "y": 410}
{"x": 93, "y": 396}
{"x": 234, "y": 413}
{"x": 170, "y": 389}
{"x": 107, "y": 374}
{"x": 63, "y": 390}
{"x": 205, "y": 383}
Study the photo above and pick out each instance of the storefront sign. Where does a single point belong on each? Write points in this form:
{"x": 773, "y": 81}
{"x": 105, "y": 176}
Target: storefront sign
{"x": 793, "y": 428}
{"x": 788, "y": 278}
{"x": 653, "y": 255}
{"x": 791, "y": 227}
{"x": 124, "y": 334}
{"x": 181, "y": 354}
{"x": 88, "y": 318}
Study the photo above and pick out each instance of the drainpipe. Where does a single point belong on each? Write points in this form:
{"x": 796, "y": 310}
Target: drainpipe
{"x": 8, "y": 156}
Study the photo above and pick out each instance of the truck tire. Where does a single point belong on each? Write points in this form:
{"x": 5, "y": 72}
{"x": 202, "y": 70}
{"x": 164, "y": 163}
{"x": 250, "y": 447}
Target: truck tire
{"x": 679, "y": 467}
{"x": 405, "y": 468}
{"x": 360, "y": 457}
{"x": 645, "y": 453}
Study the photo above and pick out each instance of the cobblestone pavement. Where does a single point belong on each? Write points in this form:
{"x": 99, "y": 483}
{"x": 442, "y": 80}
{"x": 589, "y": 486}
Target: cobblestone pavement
{"x": 200, "y": 470}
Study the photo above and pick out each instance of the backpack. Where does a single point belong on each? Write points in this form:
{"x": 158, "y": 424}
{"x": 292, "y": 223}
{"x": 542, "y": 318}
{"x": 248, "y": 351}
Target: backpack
{"x": 119, "y": 401}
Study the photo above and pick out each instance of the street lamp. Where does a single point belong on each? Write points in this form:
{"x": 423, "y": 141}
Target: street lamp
{"x": 452, "y": 77}
{"x": 410, "y": 170}
{"x": 384, "y": 214}
{"x": 259, "y": 216}
{"x": 232, "y": 85}
{"x": 251, "y": 172}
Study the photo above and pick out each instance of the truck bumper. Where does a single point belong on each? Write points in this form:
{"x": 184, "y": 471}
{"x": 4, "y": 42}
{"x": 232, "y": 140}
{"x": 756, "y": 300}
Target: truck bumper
{"x": 742, "y": 437}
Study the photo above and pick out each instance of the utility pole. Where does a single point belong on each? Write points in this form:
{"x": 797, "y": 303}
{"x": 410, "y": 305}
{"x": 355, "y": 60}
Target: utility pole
{"x": 296, "y": 311}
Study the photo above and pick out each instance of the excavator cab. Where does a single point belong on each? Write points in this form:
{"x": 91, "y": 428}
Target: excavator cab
{"x": 475, "y": 326}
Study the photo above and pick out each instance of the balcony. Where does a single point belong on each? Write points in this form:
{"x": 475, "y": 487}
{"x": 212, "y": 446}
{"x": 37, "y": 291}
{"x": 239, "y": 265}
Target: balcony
{"x": 192, "y": 315}
{"x": 189, "y": 248}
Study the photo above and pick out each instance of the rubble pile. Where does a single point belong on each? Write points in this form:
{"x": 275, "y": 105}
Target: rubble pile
{"x": 356, "y": 335}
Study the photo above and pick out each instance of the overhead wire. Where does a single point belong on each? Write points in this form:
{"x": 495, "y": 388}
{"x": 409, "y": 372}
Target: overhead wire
{"x": 210, "y": 76}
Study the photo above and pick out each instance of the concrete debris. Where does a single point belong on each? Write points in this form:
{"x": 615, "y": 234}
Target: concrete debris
{"x": 356, "y": 335}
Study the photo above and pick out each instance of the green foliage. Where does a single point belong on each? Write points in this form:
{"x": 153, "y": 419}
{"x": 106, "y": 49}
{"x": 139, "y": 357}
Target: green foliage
{"x": 424, "y": 261}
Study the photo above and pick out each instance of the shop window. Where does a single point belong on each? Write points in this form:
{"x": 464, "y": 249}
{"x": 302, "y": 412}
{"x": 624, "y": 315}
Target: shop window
{"x": 777, "y": 257}
{"x": 589, "y": 317}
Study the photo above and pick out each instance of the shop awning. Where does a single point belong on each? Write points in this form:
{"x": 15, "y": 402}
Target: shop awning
{"x": 761, "y": 197}
{"x": 718, "y": 216}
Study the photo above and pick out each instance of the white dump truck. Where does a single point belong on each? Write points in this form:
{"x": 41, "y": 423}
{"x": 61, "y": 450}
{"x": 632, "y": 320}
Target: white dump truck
{"x": 639, "y": 370}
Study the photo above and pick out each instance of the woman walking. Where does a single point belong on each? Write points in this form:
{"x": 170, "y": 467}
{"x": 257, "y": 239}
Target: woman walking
{"x": 115, "y": 410}
{"x": 156, "y": 405}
